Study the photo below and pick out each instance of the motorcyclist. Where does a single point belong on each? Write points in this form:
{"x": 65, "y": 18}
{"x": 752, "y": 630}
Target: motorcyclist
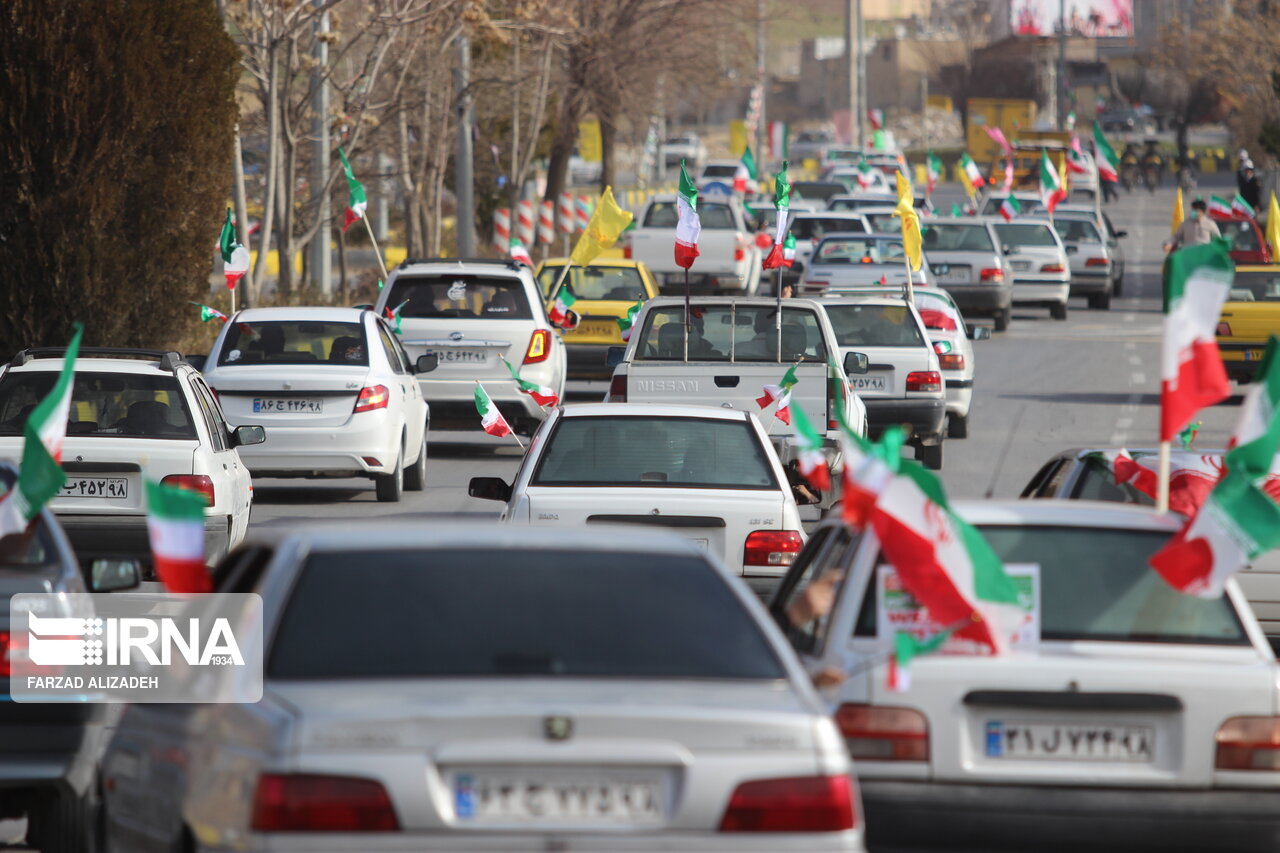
{"x": 1130, "y": 155}
{"x": 1151, "y": 157}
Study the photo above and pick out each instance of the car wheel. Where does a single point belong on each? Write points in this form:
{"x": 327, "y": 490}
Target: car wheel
{"x": 1002, "y": 319}
{"x": 1058, "y": 311}
{"x": 63, "y": 823}
{"x": 390, "y": 486}
{"x": 957, "y": 426}
{"x": 415, "y": 478}
{"x": 930, "y": 456}
{"x": 1118, "y": 285}
{"x": 1100, "y": 301}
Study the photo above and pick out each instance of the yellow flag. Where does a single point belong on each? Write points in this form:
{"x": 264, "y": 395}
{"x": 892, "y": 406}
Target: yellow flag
{"x": 906, "y": 211}
{"x": 607, "y": 223}
{"x": 1177, "y": 211}
{"x": 1273, "y": 228}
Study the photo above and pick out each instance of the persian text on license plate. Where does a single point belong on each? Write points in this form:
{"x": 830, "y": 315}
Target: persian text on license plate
{"x": 1022, "y": 266}
{"x": 462, "y": 356}
{"x": 1253, "y": 355}
{"x": 868, "y": 383}
{"x": 96, "y": 487}
{"x": 955, "y": 275}
{"x": 534, "y": 798}
{"x": 309, "y": 405}
{"x": 1069, "y": 741}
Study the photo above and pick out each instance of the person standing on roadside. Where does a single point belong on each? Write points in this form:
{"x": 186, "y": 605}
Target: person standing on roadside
{"x": 1251, "y": 187}
{"x": 1195, "y": 231}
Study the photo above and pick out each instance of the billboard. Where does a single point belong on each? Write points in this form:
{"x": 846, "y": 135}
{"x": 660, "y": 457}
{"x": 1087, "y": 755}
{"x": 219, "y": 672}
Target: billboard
{"x": 1088, "y": 18}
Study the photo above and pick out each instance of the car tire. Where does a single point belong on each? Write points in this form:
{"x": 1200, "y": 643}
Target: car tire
{"x": 1117, "y": 286}
{"x": 957, "y": 426}
{"x": 930, "y": 456}
{"x": 61, "y": 822}
{"x": 1058, "y": 311}
{"x": 415, "y": 477}
{"x": 1100, "y": 301}
{"x": 1002, "y": 319}
{"x": 390, "y": 487}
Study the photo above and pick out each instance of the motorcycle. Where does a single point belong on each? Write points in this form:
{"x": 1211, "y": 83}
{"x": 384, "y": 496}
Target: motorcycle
{"x": 1130, "y": 176}
{"x": 1151, "y": 176}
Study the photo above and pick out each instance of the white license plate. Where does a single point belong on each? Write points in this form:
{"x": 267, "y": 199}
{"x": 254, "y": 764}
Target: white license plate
{"x": 1069, "y": 741}
{"x": 462, "y": 356}
{"x": 955, "y": 275}
{"x": 1021, "y": 266}
{"x": 96, "y": 487}
{"x": 309, "y": 405}
{"x": 869, "y": 383}
{"x": 700, "y": 544}
{"x": 516, "y": 797}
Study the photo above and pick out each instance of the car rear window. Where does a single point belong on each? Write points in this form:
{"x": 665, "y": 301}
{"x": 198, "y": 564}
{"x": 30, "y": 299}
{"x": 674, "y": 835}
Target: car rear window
{"x": 617, "y": 283}
{"x": 817, "y": 227}
{"x": 489, "y": 612}
{"x": 719, "y": 171}
{"x": 884, "y": 223}
{"x": 1077, "y": 231}
{"x": 853, "y": 250}
{"x": 654, "y": 452}
{"x": 875, "y": 326}
{"x": 118, "y": 405}
{"x": 713, "y": 216}
{"x": 1028, "y": 205}
{"x": 858, "y": 203}
{"x": 1026, "y": 234}
{"x": 940, "y": 237}
{"x": 294, "y": 342}
{"x": 731, "y": 332}
{"x": 460, "y": 296}
{"x": 1256, "y": 286}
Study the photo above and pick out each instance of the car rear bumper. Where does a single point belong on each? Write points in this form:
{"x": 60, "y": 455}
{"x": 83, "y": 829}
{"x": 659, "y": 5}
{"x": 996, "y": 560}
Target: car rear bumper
{"x": 979, "y": 300}
{"x": 588, "y": 361}
{"x": 342, "y": 451}
{"x": 1083, "y": 283}
{"x": 414, "y": 842}
{"x": 1237, "y": 358}
{"x": 985, "y": 817}
{"x": 925, "y": 417}
{"x": 1040, "y": 292}
{"x": 959, "y": 395}
{"x": 125, "y": 537}
{"x": 48, "y": 745}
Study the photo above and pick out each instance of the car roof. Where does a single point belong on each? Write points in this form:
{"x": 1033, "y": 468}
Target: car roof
{"x": 651, "y": 410}
{"x": 88, "y": 363}
{"x": 1067, "y": 513}
{"x": 626, "y": 263}
{"x": 300, "y": 313}
{"x": 864, "y": 197}
{"x": 490, "y": 266}
{"x": 867, "y": 299}
{"x": 749, "y": 301}
{"x": 827, "y": 214}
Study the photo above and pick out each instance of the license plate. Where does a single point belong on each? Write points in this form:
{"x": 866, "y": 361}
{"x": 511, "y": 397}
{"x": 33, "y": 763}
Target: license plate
{"x": 599, "y": 330}
{"x": 1021, "y": 266}
{"x": 310, "y": 405}
{"x": 1069, "y": 741}
{"x": 868, "y": 383}
{"x": 96, "y": 487}
{"x": 700, "y": 544}
{"x": 1253, "y": 355}
{"x": 954, "y": 275}
{"x": 490, "y": 797}
{"x": 463, "y": 356}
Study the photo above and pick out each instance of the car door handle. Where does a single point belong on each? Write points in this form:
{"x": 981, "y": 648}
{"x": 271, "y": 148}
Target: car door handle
{"x": 727, "y": 381}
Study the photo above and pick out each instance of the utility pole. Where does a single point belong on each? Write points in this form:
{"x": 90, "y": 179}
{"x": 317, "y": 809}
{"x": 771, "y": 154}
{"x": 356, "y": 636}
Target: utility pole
{"x": 320, "y": 263}
{"x": 515, "y": 191}
{"x": 463, "y": 169}
{"x": 1062, "y": 88}
{"x": 853, "y": 40}
{"x": 242, "y": 214}
{"x": 762, "y": 81}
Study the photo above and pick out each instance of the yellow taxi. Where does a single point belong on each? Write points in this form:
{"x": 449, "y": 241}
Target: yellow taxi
{"x": 1249, "y": 317}
{"x": 604, "y": 293}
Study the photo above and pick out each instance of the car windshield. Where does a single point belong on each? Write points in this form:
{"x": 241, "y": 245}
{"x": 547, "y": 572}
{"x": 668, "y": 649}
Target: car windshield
{"x": 939, "y": 237}
{"x": 118, "y": 405}
{"x": 857, "y": 203}
{"x": 1250, "y": 286}
{"x": 488, "y": 612}
{"x": 616, "y": 283}
{"x": 294, "y": 342}
{"x": 654, "y": 452}
{"x": 1077, "y": 231}
{"x": 1095, "y": 585}
{"x": 714, "y": 216}
{"x": 1025, "y": 234}
{"x": 875, "y": 326}
{"x": 816, "y": 227}
{"x": 458, "y": 296}
{"x": 884, "y": 222}
{"x": 1241, "y": 233}
{"x": 820, "y": 190}
{"x": 843, "y": 154}
{"x": 720, "y": 170}
{"x": 852, "y": 250}
{"x": 721, "y": 332}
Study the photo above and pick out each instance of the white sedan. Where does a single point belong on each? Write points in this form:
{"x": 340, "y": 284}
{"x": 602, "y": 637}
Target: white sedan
{"x": 952, "y": 341}
{"x": 335, "y": 390}
{"x": 709, "y": 474}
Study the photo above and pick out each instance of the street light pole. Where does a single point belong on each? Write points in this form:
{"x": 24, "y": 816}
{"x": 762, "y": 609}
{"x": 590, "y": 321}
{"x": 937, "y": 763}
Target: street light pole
{"x": 762, "y": 74}
{"x": 463, "y": 168}
{"x": 861, "y": 103}
{"x": 1062, "y": 65}
{"x": 321, "y": 261}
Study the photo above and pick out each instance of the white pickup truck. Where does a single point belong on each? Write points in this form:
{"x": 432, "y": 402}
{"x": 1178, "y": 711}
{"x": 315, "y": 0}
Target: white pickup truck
{"x": 728, "y": 258}
{"x": 732, "y": 353}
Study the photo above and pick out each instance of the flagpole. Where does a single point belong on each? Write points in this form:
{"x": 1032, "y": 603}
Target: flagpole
{"x": 563, "y": 275}
{"x": 233, "y": 300}
{"x": 376, "y": 250}
{"x": 1162, "y": 481}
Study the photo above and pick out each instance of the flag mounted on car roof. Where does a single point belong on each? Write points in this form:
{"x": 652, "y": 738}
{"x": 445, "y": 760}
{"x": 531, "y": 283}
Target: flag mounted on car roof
{"x": 1197, "y": 281}
{"x": 781, "y": 204}
{"x": 688, "y": 225}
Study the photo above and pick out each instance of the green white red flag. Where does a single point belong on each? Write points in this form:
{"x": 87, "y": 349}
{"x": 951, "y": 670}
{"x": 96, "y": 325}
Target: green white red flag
{"x": 41, "y": 477}
{"x": 780, "y": 395}
{"x": 971, "y": 171}
{"x": 491, "y": 420}
{"x": 397, "y": 316}
{"x": 810, "y": 460}
{"x": 782, "y": 204}
{"x": 175, "y": 523}
{"x": 1052, "y": 192}
{"x": 1241, "y": 207}
{"x": 357, "y": 202}
{"x": 933, "y": 171}
{"x": 626, "y": 323}
{"x": 518, "y": 251}
{"x": 876, "y": 117}
{"x": 956, "y": 210}
{"x": 746, "y": 171}
{"x": 1198, "y": 279}
{"x": 789, "y": 249}
{"x": 1009, "y": 208}
{"x": 541, "y": 394}
{"x": 688, "y": 225}
{"x": 907, "y": 648}
{"x": 866, "y": 173}
{"x": 1192, "y": 476}
{"x": 1077, "y": 163}
{"x": 560, "y": 308}
{"x": 207, "y": 313}
{"x": 235, "y": 257}
{"x": 1218, "y": 206}
{"x": 1107, "y": 161}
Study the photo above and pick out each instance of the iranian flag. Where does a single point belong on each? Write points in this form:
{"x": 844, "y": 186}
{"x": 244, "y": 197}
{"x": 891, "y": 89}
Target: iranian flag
{"x": 789, "y": 249}
{"x": 1219, "y": 206}
{"x": 541, "y": 394}
{"x": 1192, "y": 476}
{"x": 876, "y": 117}
{"x": 1242, "y": 208}
{"x": 907, "y": 648}
{"x": 560, "y": 308}
{"x": 867, "y": 468}
{"x": 781, "y": 395}
{"x": 175, "y": 523}
{"x": 746, "y": 171}
{"x": 625, "y": 324}
{"x": 41, "y": 476}
{"x": 688, "y": 225}
{"x": 358, "y": 202}
{"x": 396, "y": 314}
{"x": 518, "y": 251}
{"x": 1051, "y": 190}
{"x": 782, "y": 204}
{"x": 998, "y": 137}
{"x": 1108, "y": 162}
{"x": 810, "y": 460}
{"x": 866, "y": 173}
{"x": 933, "y": 171}
{"x": 491, "y": 420}
{"x": 971, "y": 172}
{"x": 1009, "y": 208}
{"x": 207, "y": 313}
{"x": 1077, "y": 163}
{"x": 1191, "y": 372}
{"x": 235, "y": 257}
{"x": 1238, "y": 520}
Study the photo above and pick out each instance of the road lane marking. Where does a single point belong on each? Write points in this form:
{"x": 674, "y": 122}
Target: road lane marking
{"x": 1135, "y": 360}
{"x": 1138, "y": 378}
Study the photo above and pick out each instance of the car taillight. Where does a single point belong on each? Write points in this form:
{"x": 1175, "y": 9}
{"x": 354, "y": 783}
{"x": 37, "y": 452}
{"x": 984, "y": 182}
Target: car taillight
{"x": 1224, "y": 330}
{"x": 772, "y": 547}
{"x": 951, "y": 361}
{"x": 832, "y": 423}
{"x": 799, "y": 804}
{"x": 539, "y": 347}
{"x": 1053, "y": 268}
{"x": 194, "y": 482}
{"x": 372, "y": 397}
{"x": 304, "y": 802}
{"x": 879, "y": 733}
{"x": 1249, "y": 743}
{"x": 1096, "y": 262}
{"x": 739, "y": 253}
{"x": 626, "y": 251}
{"x": 6, "y": 665}
{"x": 924, "y": 380}
{"x": 618, "y": 389}
{"x": 991, "y": 274}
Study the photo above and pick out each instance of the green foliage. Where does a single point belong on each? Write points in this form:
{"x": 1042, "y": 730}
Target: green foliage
{"x": 115, "y": 143}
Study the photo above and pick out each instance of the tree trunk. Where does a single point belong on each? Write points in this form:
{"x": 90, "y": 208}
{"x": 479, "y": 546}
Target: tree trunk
{"x": 284, "y": 279}
{"x": 1180, "y": 134}
{"x": 273, "y": 156}
{"x": 608, "y": 148}
{"x": 562, "y": 146}
{"x": 343, "y": 284}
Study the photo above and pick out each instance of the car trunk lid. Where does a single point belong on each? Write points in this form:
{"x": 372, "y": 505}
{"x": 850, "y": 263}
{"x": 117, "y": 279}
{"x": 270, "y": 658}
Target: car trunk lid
{"x": 283, "y": 396}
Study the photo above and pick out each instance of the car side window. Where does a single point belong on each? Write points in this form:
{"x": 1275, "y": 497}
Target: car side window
{"x": 1035, "y": 488}
{"x": 389, "y": 347}
{"x": 214, "y": 423}
{"x": 241, "y": 570}
{"x": 829, "y": 553}
{"x": 404, "y": 356}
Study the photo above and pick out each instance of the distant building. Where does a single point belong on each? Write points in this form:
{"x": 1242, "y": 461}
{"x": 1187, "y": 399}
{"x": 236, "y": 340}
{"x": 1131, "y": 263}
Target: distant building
{"x": 899, "y": 72}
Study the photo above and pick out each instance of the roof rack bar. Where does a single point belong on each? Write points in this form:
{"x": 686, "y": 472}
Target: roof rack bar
{"x": 500, "y": 262}
{"x": 168, "y": 359}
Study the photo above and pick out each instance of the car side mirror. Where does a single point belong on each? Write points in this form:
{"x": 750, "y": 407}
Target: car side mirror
{"x": 1071, "y": 250}
{"x": 1120, "y": 234}
{"x": 197, "y": 361}
{"x": 979, "y": 333}
{"x": 426, "y": 363}
{"x": 856, "y": 363}
{"x": 1008, "y": 250}
{"x": 106, "y": 575}
{"x": 614, "y": 356}
{"x": 244, "y": 436}
{"x": 489, "y": 489}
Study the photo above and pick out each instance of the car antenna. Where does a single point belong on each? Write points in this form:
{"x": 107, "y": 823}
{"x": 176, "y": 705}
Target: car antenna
{"x": 1008, "y": 443}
